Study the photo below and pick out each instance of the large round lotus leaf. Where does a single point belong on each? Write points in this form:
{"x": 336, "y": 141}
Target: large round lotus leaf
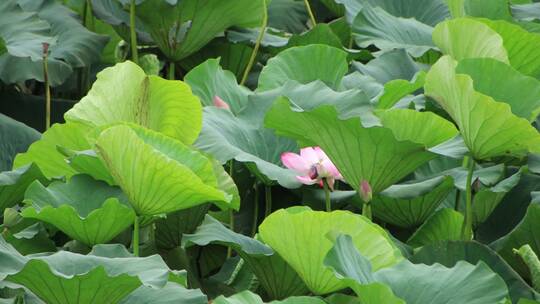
{"x": 298, "y": 63}
{"x": 169, "y": 176}
{"x": 415, "y": 283}
{"x": 443, "y": 225}
{"x": 488, "y": 127}
{"x": 124, "y": 93}
{"x": 16, "y": 137}
{"x": 464, "y": 38}
{"x": 87, "y": 210}
{"x": 302, "y": 237}
{"x": 410, "y": 204}
{"x": 181, "y": 29}
{"x": 106, "y": 275}
{"x": 380, "y": 155}
{"x": 44, "y": 152}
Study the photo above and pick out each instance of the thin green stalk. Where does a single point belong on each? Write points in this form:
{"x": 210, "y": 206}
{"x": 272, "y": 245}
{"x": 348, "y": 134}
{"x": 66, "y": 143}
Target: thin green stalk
{"x": 327, "y": 196}
{"x": 256, "y": 48}
{"x": 231, "y": 211}
{"x": 135, "y": 243}
{"x": 456, "y": 202}
{"x": 466, "y": 231}
{"x": 268, "y": 200}
{"x": 366, "y": 210}
{"x": 47, "y": 86}
{"x": 133, "y": 34}
{"x": 255, "y": 210}
{"x": 310, "y": 12}
{"x": 171, "y": 70}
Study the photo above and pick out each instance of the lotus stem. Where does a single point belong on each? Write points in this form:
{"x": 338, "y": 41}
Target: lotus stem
{"x": 466, "y": 231}
{"x": 135, "y": 243}
{"x": 327, "y": 196}
{"x": 310, "y": 13}
{"x": 366, "y": 210}
{"x": 268, "y": 200}
{"x": 255, "y": 209}
{"x": 171, "y": 70}
{"x": 456, "y": 202}
{"x": 231, "y": 211}
{"x": 133, "y": 34}
{"x": 256, "y": 47}
{"x": 47, "y": 86}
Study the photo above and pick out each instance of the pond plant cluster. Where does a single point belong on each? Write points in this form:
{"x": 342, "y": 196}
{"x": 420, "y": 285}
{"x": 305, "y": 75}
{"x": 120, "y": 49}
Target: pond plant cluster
{"x": 270, "y": 151}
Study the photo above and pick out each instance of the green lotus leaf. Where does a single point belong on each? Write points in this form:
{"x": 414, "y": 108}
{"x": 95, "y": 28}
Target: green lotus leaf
{"x": 170, "y": 293}
{"x": 524, "y": 233}
{"x": 72, "y": 45}
{"x": 172, "y": 175}
{"x": 520, "y": 45}
{"x": 123, "y": 93}
{"x": 287, "y": 15}
{"x": 170, "y": 230}
{"x": 396, "y": 89}
{"x": 487, "y": 199}
{"x": 415, "y": 283}
{"x": 87, "y": 210}
{"x": 247, "y": 297}
{"x": 443, "y": 225}
{"x": 380, "y": 155}
{"x": 14, "y": 183}
{"x": 277, "y": 278}
{"x": 16, "y": 137}
{"x": 297, "y": 64}
{"x": 209, "y": 79}
{"x": 488, "y": 127}
{"x": 464, "y": 38}
{"x": 410, "y": 204}
{"x": 321, "y": 33}
{"x": 530, "y": 258}
{"x": 227, "y": 137}
{"x": 181, "y": 29}
{"x": 66, "y": 277}
{"x": 430, "y": 12}
{"x": 44, "y": 152}
{"x": 375, "y": 26}
{"x": 88, "y": 162}
{"x": 309, "y": 232}
{"x": 389, "y": 66}
{"x": 450, "y": 253}
{"x": 521, "y": 92}
{"x": 27, "y": 236}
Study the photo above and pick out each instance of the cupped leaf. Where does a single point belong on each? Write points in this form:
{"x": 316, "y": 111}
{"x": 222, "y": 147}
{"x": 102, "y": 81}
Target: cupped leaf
{"x": 16, "y": 138}
{"x": 227, "y": 137}
{"x": 297, "y": 64}
{"x": 170, "y": 176}
{"x": 521, "y": 92}
{"x": 520, "y": 45}
{"x": 375, "y": 26}
{"x": 379, "y": 155}
{"x": 307, "y": 232}
{"x": 443, "y": 225}
{"x": 450, "y": 253}
{"x": 87, "y": 210}
{"x": 183, "y": 28}
{"x": 106, "y": 275}
{"x": 208, "y": 80}
{"x": 488, "y": 127}
{"x": 123, "y": 93}
{"x": 14, "y": 183}
{"x": 415, "y": 283}
{"x": 44, "y": 152}
{"x": 277, "y": 278}
{"x": 464, "y": 38}
{"x": 410, "y": 204}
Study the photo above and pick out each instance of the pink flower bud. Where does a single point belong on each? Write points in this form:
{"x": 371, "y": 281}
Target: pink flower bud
{"x": 365, "y": 191}
{"x": 220, "y": 103}
{"x": 45, "y": 46}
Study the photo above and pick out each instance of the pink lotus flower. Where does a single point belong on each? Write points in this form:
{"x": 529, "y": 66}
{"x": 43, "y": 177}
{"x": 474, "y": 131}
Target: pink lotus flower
{"x": 312, "y": 165}
{"x": 220, "y": 103}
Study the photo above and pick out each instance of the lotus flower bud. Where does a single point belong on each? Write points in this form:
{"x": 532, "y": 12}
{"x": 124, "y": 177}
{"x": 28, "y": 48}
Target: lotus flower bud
{"x": 365, "y": 191}
{"x": 220, "y": 103}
